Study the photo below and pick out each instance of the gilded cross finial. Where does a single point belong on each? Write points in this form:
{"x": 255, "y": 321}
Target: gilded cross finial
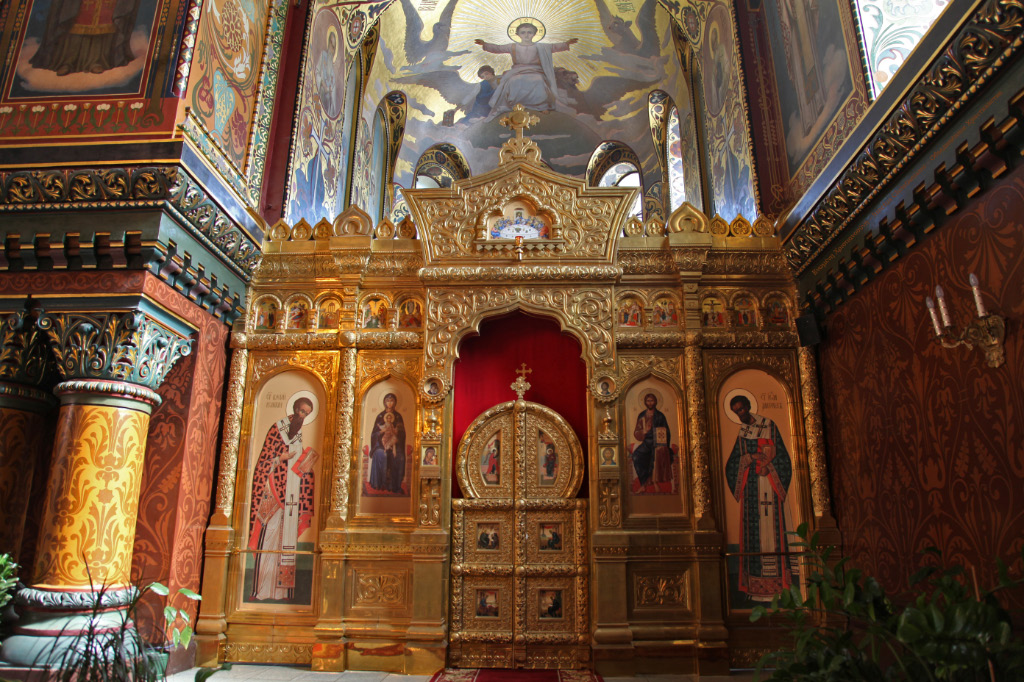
{"x": 519, "y": 120}
{"x": 521, "y": 385}
{"x": 519, "y": 148}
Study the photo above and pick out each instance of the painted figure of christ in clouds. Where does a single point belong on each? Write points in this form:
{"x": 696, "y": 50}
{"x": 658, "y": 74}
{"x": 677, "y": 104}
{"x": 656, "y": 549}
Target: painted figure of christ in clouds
{"x": 531, "y": 80}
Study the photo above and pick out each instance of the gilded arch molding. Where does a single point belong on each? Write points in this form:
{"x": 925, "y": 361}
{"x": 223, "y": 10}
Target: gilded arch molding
{"x": 584, "y": 312}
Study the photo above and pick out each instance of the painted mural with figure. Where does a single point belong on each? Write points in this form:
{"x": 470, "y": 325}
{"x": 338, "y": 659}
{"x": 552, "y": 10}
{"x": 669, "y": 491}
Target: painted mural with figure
{"x": 759, "y": 464}
{"x": 586, "y": 67}
{"x": 74, "y": 47}
{"x": 226, "y": 71}
{"x": 728, "y": 142}
{"x": 318, "y": 160}
{"x": 72, "y": 67}
{"x": 813, "y": 71}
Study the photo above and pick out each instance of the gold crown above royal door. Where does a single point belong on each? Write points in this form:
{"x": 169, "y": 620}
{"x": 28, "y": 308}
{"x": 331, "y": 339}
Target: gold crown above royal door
{"x": 519, "y": 568}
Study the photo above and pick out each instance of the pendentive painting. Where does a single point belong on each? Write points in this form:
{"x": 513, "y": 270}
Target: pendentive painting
{"x": 317, "y": 157}
{"x": 652, "y": 446}
{"x": 388, "y": 428}
{"x": 813, "y": 70}
{"x": 285, "y": 449}
{"x": 758, "y": 462}
{"x": 73, "y": 47}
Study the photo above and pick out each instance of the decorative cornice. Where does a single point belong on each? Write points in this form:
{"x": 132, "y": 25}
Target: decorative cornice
{"x": 133, "y": 187}
{"x": 123, "y": 346}
{"x": 327, "y": 341}
{"x": 210, "y": 223}
{"x": 646, "y": 262}
{"x": 920, "y": 209}
{"x": 520, "y": 273}
{"x": 979, "y": 50}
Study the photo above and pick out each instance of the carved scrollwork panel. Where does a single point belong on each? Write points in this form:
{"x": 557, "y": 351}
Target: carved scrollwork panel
{"x": 452, "y": 313}
{"x": 632, "y": 366}
{"x": 430, "y": 502}
{"x": 670, "y": 590}
{"x": 609, "y": 505}
{"x": 721, "y": 364}
{"x": 380, "y": 589}
{"x": 255, "y": 652}
{"x": 322, "y": 364}
{"x": 373, "y": 367}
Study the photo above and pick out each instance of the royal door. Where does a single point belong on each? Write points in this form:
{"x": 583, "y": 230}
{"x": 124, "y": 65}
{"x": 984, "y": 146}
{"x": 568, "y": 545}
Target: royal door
{"x": 519, "y": 543}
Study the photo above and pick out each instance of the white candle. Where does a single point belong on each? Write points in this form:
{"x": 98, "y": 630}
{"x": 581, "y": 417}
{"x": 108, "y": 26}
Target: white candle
{"x": 935, "y": 316}
{"x": 976, "y": 290}
{"x": 943, "y": 310}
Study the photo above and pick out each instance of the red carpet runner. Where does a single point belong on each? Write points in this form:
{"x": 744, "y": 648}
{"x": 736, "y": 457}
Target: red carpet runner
{"x": 495, "y": 675}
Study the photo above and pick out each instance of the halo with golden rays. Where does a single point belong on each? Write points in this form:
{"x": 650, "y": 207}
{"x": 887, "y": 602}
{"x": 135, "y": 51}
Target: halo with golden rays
{"x": 533, "y": 21}
{"x": 493, "y": 21}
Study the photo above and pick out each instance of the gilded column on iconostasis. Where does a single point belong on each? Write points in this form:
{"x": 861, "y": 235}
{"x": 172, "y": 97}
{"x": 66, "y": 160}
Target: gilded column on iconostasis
{"x": 25, "y": 403}
{"x": 111, "y": 364}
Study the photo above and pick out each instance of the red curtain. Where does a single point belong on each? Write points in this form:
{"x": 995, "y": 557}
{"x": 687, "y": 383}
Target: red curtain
{"x": 487, "y": 364}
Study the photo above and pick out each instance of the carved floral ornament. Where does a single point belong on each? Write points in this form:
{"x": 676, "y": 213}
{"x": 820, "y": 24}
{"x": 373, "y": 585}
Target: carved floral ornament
{"x": 122, "y": 346}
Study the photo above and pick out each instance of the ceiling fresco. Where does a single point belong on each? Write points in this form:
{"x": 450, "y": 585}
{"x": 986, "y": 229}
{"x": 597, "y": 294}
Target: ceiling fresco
{"x": 587, "y": 66}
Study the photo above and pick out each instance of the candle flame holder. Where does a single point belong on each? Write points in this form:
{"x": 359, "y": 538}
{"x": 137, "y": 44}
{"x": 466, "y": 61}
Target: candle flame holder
{"x": 986, "y": 333}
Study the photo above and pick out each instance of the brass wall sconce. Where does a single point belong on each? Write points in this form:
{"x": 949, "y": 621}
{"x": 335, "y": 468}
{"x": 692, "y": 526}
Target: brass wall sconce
{"x": 986, "y": 331}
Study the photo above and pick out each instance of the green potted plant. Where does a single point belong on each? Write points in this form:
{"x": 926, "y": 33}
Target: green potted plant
{"x": 845, "y": 627}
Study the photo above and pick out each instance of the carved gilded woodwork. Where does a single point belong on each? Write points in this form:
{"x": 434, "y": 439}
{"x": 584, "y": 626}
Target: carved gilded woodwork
{"x": 609, "y": 503}
{"x": 232, "y": 430}
{"x": 633, "y": 367}
{"x": 430, "y": 502}
{"x": 698, "y": 431}
{"x": 343, "y": 444}
{"x": 519, "y": 576}
{"x": 815, "y": 437}
{"x": 249, "y": 652}
{"x": 447, "y": 257}
{"x": 586, "y": 312}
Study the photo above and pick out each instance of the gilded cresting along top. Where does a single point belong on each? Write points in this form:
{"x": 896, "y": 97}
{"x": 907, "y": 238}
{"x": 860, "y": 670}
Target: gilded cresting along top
{"x": 457, "y": 224}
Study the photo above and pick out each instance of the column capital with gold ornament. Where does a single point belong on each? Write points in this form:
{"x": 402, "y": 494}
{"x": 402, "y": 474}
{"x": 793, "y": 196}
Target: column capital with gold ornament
{"x": 124, "y": 355}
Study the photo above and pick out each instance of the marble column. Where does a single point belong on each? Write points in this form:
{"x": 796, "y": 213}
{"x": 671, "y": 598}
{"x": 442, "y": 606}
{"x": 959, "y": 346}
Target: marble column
{"x": 111, "y": 364}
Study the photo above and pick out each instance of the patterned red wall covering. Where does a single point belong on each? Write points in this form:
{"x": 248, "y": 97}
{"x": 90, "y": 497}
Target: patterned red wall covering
{"x": 926, "y": 444}
{"x": 180, "y": 456}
